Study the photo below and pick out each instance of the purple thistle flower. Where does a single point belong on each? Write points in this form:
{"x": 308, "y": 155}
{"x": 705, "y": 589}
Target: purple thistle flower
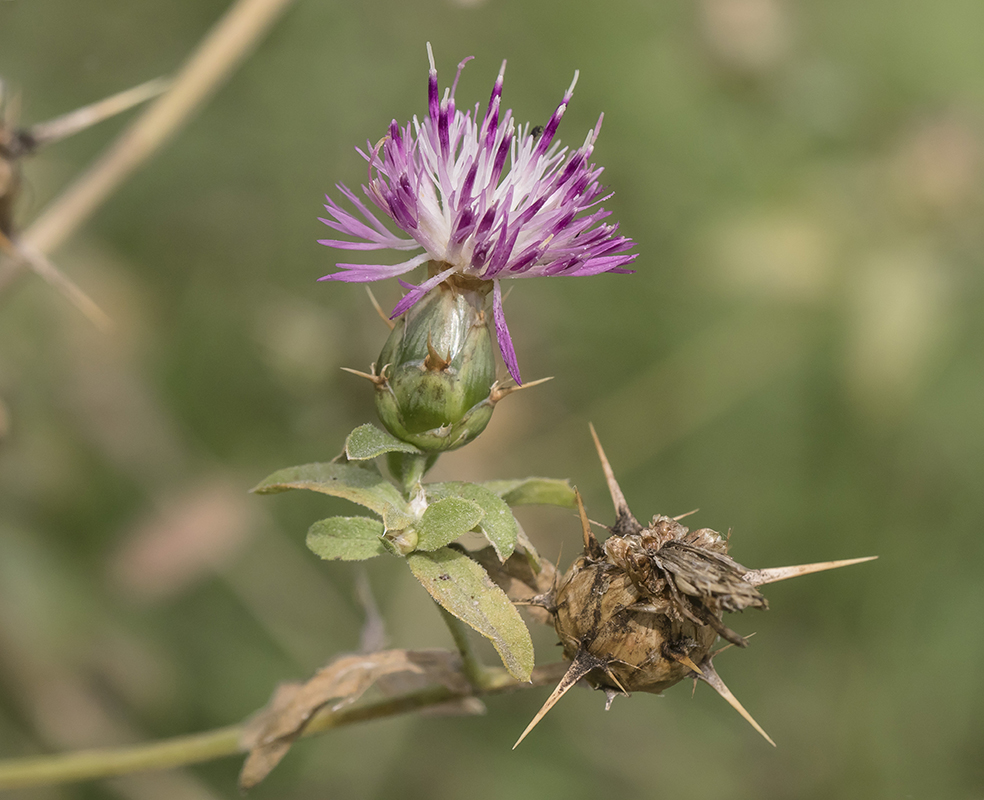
{"x": 446, "y": 183}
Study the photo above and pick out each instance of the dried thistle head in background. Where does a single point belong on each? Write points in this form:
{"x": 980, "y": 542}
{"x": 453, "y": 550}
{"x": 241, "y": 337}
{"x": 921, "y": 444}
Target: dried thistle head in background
{"x": 14, "y": 143}
{"x": 643, "y": 611}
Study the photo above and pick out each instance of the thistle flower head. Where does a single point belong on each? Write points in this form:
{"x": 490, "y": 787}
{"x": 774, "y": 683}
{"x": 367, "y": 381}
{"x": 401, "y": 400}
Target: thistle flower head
{"x": 642, "y": 611}
{"x": 482, "y": 200}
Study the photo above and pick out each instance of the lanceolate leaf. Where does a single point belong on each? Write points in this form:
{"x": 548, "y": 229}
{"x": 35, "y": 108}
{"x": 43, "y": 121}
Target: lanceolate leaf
{"x": 529, "y": 491}
{"x": 498, "y": 524}
{"x": 445, "y": 520}
{"x": 465, "y": 589}
{"x": 346, "y": 538}
{"x": 362, "y": 484}
{"x": 367, "y": 441}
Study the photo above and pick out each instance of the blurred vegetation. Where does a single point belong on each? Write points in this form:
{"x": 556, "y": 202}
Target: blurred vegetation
{"x": 799, "y": 355}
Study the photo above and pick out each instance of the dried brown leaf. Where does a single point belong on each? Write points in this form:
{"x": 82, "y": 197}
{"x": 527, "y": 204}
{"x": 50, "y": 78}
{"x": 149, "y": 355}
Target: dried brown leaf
{"x": 271, "y": 732}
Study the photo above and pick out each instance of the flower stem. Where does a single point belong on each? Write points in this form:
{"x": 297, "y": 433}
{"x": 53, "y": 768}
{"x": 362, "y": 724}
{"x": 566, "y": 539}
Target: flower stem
{"x": 196, "y": 748}
{"x": 409, "y": 468}
{"x": 108, "y": 762}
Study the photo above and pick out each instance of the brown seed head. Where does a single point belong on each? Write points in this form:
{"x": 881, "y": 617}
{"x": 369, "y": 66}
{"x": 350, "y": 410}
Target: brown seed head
{"x": 651, "y": 605}
{"x": 636, "y": 635}
{"x": 642, "y": 611}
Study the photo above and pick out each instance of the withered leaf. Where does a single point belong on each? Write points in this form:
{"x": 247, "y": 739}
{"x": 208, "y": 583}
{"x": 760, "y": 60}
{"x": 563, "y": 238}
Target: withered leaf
{"x": 702, "y": 573}
{"x": 269, "y": 734}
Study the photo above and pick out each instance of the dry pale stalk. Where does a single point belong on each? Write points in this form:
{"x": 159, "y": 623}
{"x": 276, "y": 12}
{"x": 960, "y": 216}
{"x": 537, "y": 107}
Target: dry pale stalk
{"x": 227, "y": 44}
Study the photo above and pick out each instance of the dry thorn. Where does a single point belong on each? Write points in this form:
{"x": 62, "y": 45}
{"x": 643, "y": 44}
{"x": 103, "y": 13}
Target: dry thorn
{"x": 624, "y": 521}
{"x": 379, "y": 309}
{"x": 759, "y": 577}
{"x": 591, "y": 546}
{"x": 582, "y": 664}
{"x": 43, "y": 267}
{"x": 73, "y": 122}
{"x": 377, "y": 380}
{"x": 614, "y": 679}
{"x": 686, "y": 661}
{"x": 498, "y": 392}
{"x": 729, "y": 645}
{"x": 710, "y": 677}
{"x": 434, "y": 361}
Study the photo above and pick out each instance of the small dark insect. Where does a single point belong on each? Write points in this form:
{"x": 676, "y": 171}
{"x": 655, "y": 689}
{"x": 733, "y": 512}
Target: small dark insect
{"x": 536, "y": 132}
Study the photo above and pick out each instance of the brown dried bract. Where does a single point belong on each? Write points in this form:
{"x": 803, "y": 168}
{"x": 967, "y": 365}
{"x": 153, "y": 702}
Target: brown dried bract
{"x": 271, "y": 732}
{"x": 643, "y": 612}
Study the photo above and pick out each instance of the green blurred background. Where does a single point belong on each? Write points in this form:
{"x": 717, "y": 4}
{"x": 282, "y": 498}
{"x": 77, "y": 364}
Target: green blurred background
{"x": 799, "y": 356}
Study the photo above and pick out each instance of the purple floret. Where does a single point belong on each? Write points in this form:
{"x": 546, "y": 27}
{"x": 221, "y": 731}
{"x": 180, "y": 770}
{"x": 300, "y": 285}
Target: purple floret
{"x": 488, "y": 201}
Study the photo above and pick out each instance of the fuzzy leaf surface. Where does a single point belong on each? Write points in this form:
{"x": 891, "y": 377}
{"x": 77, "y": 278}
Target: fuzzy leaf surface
{"x": 367, "y": 441}
{"x": 362, "y": 484}
{"x": 531, "y": 491}
{"x": 498, "y": 524}
{"x": 445, "y": 520}
{"x": 465, "y": 589}
{"x": 346, "y": 538}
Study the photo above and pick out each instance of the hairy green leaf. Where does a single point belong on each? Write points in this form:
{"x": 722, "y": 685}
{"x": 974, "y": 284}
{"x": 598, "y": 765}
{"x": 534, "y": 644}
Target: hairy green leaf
{"x": 346, "y": 538}
{"x": 445, "y": 520}
{"x": 465, "y": 589}
{"x": 498, "y": 525}
{"x": 530, "y": 491}
{"x": 367, "y": 441}
{"x": 362, "y": 484}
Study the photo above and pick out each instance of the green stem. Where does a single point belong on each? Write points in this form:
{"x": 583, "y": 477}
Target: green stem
{"x": 106, "y": 763}
{"x": 409, "y": 468}
{"x": 183, "y": 750}
{"x": 475, "y": 671}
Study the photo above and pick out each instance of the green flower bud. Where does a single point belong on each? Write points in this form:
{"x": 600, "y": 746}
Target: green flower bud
{"x": 435, "y": 374}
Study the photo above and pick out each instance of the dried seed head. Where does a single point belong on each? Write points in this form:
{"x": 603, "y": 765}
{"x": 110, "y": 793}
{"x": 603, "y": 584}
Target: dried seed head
{"x": 643, "y": 611}
{"x": 639, "y": 638}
